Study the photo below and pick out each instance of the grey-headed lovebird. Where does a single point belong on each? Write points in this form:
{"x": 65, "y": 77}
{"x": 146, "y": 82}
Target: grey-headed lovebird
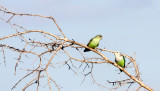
{"x": 119, "y": 59}
{"x": 93, "y": 43}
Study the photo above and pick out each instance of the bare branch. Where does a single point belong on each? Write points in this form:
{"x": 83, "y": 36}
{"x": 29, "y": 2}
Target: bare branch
{"x": 58, "y": 43}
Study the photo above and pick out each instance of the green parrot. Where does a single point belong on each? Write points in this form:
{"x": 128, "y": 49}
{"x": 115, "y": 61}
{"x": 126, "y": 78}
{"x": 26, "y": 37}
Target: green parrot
{"x": 120, "y": 60}
{"x": 93, "y": 43}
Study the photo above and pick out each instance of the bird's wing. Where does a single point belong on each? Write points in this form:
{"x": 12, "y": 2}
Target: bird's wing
{"x": 124, "y": 61}
{"x": 115, "y": 60}
{"x": 90, "y": 41}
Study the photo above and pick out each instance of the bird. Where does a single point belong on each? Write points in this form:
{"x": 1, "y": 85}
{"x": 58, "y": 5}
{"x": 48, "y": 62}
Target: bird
{"x": 119, "y": 59}
{"x": 93, "y": 43}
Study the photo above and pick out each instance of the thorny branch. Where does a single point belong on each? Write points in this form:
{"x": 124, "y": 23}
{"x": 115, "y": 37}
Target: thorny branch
{"x": 58, "y": 46}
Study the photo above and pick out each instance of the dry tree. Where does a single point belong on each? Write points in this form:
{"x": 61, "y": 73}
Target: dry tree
{"x": 57, "y": 45}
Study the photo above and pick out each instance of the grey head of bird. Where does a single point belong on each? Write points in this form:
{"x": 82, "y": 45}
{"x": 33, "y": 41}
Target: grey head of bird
{"x": 118, "y": 55}
{"x": 98, "y": 36}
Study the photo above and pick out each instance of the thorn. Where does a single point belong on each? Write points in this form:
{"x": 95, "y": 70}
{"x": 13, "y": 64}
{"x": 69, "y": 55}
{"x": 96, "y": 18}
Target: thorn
{"x": 36, "y": 81}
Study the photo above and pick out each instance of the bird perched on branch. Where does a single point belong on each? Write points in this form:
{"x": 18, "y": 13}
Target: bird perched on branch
{"x": 93, "y": 43}
{"x": 119, "y": 59}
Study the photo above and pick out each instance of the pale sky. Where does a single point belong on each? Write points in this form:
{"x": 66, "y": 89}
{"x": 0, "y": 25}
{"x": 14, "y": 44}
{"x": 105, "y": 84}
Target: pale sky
{"x": 127, "y": 26}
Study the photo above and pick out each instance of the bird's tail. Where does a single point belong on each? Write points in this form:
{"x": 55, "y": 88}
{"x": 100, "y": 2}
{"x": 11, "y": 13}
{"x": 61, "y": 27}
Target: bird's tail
{"x": 120, "y": 70}
{"x": 85, "y": 50}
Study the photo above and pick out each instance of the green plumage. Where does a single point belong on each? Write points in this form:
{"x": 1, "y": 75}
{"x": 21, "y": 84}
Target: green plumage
{"x": 120, "y": 60}
{"x": 121, "y": 63}
{"x": 93, "y": 43}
